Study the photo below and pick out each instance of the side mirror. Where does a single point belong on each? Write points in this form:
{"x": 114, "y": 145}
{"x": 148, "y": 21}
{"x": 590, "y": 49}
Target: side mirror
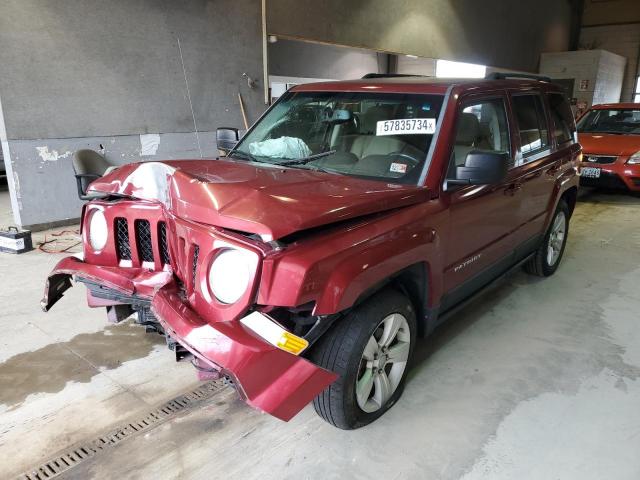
{"x": 482, "y": 168}
{"x": 227, "y": 138}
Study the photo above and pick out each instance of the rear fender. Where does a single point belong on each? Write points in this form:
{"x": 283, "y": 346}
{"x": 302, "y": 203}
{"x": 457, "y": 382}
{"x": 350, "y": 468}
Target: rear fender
{"x": 566, "y": 184}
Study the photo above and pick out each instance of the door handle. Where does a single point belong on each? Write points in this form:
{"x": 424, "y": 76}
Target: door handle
{"x": 512, "y": 189}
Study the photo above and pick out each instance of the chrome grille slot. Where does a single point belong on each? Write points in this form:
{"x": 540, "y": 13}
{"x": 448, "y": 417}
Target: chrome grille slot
{"x": 194, "y": 266}
{"x": 163, "y": 243}
{"x": 181, "y": 259}
{"x": 143, "y": 240}
{"x": 123, "y": 244}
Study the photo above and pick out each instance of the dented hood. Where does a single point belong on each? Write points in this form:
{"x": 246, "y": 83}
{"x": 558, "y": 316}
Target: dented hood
{"x": 263, "y": 199}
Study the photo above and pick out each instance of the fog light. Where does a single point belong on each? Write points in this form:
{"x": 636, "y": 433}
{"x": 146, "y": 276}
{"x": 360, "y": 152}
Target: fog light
{"x": 274, "y": 333}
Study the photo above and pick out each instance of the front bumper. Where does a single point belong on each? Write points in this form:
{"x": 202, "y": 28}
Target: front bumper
{"x": 618, "y": 175}
{"x": 267, "y": 378}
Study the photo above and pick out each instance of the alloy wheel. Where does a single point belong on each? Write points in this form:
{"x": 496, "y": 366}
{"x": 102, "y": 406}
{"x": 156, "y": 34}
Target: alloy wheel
{"x": 556, "y": 238}
{"x": 383, "y": 363}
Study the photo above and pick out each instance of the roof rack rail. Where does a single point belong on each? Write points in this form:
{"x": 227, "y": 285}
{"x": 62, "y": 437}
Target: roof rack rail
{"x": 389, "y": 75}
{"x": 507, "y": 75}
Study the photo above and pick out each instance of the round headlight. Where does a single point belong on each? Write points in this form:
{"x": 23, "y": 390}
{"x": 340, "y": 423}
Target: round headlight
{"x": 98, "y": 230}
{"x": 230, "y": 274}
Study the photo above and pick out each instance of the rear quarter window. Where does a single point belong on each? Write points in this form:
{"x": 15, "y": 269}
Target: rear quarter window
{"x": 564, "y": 126}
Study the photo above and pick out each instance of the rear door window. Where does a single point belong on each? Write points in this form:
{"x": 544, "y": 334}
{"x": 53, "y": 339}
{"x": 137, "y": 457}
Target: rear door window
{"x": 564, "y": 126}
{"x": 532, "y": 125}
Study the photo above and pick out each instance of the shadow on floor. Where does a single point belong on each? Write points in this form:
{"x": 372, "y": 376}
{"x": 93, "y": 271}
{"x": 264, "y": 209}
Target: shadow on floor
{"x": 608, "y": 196}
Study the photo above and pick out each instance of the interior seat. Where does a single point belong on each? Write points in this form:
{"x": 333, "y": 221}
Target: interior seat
{"x": 367, "y": 143}
{"x": 468, "y": 137}
{"x": 88, "y": 165}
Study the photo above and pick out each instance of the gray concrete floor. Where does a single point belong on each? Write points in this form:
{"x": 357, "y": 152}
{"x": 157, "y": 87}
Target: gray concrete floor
{"x": 538, "y": 379}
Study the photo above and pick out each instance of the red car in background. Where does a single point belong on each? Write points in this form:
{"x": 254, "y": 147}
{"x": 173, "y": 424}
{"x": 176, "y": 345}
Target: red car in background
{"x": 610, "y": 138}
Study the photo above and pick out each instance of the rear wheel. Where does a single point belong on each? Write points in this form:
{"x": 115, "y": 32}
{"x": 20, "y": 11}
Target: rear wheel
{"x": 547, "y": 258}
{"x": 369, "y": 349}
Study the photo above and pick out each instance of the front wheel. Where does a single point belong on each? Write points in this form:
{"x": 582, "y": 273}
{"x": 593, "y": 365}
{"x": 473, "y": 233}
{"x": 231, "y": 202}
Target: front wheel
{"x": 369, "y": 349}
{"x": 546, "y": 259}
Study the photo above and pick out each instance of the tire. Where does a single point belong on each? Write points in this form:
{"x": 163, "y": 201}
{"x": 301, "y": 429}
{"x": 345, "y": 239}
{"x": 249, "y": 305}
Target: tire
{"x": 342, "y": 350}
{"x": 543, "y": 263}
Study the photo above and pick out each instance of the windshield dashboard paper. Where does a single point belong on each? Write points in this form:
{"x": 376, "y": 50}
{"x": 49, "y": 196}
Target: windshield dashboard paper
{"x": 407, "y": 126}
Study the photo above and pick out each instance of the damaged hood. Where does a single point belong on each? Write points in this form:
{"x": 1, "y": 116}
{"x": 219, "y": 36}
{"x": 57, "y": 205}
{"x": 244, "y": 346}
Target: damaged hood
{"x": 267, "y": 200}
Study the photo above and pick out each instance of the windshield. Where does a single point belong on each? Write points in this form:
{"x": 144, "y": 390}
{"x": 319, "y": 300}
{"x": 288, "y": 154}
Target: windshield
{"x": 372, "y": 135}
{"x": 619, "y": 121}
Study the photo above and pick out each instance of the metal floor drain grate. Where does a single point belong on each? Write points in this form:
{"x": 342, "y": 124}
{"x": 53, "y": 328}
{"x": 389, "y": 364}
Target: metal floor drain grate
{"x": 77, "y": 454}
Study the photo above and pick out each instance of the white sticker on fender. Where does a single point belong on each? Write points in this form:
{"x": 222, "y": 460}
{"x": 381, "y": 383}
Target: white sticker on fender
{"x": 407, "y": 126}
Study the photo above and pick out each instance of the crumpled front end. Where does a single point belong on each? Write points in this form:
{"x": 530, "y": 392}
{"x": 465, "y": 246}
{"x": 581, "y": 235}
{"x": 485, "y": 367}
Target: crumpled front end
{"x": 159, "y": 265}
{"x": 268, "y": 378}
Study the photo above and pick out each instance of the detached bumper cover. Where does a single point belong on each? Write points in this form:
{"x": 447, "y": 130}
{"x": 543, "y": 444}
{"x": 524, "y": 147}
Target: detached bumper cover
{"x": 131, "y": 282}
{"x": 269, "y": 379}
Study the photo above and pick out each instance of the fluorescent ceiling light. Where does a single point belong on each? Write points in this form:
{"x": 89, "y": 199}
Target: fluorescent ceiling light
{"x": 447, "y": 68}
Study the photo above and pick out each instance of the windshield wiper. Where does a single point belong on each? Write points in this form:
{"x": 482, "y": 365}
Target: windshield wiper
{"x": 242, "y": 155}
{"x": 310, "y": 158}
{"x": 316, "y": 168}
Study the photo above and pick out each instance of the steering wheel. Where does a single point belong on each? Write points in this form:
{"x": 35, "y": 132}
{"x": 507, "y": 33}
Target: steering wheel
{"x": 414, "y": 161}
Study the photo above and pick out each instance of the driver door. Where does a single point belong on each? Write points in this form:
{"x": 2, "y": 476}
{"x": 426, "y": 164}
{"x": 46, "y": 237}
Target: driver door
{"x": 482, "y": 217}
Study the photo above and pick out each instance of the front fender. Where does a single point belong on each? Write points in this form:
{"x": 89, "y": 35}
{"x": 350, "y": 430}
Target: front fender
{"x": 333, "y": 271}
{"x": 371, "y": 267}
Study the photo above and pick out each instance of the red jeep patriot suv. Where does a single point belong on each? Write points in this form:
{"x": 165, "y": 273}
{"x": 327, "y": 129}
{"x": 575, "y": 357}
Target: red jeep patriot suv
{"x": 348, "y": 222}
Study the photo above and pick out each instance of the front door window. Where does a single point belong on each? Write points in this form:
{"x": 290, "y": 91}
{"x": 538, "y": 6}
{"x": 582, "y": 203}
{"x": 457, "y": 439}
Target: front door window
{"x": 482, "y": 126}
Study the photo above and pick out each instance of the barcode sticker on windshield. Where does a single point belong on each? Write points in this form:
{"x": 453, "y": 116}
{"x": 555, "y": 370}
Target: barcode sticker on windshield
{"x": 408, "y": 126}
